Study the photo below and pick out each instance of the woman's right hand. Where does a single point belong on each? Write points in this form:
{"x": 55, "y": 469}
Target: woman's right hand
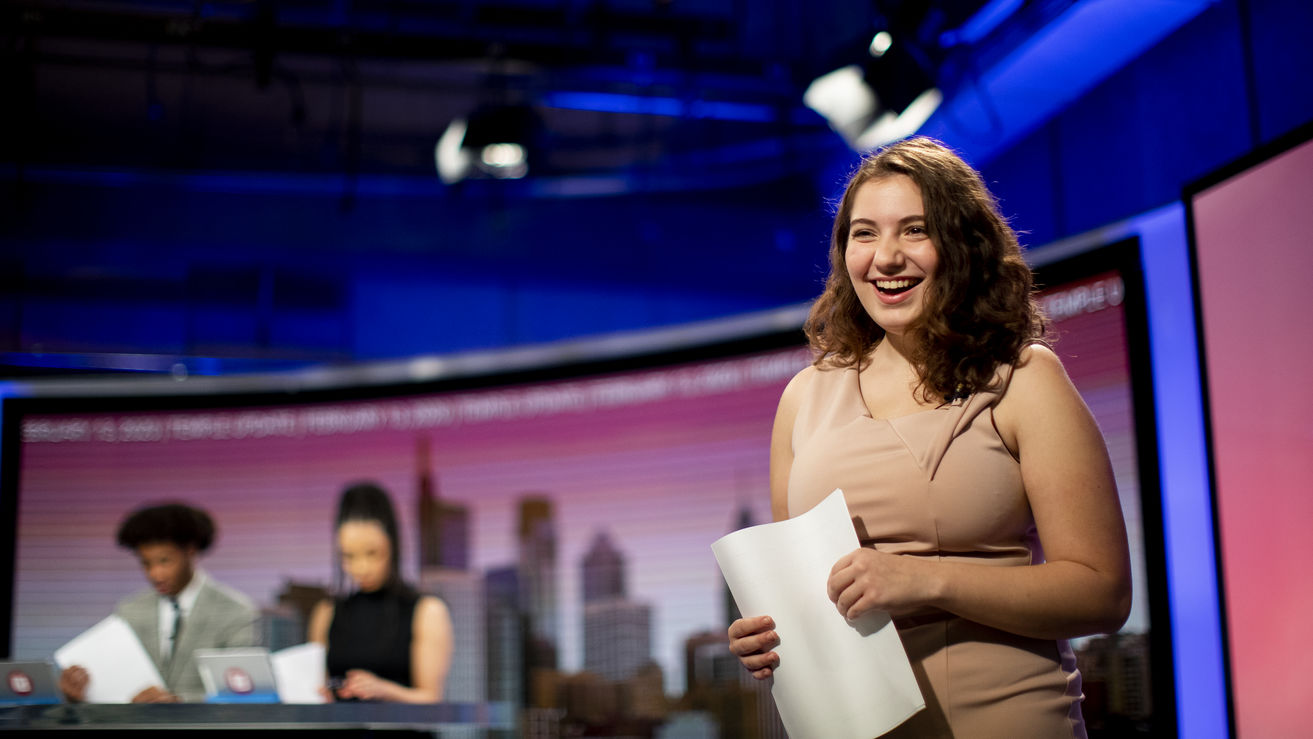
{"x": 751, "y": 639}
{"x": 73, "y": 683}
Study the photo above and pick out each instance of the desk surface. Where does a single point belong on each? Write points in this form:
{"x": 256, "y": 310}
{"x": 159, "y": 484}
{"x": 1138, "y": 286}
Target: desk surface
{"x": 333, "y": 716}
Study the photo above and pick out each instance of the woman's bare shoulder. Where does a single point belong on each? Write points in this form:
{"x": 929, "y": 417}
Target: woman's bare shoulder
{"x": 803, "y": 377}
{"x": 792, "y": 395}
{"x": 320, "y": 619}
{"x": 431, "y": 606}
{"x": 1038, "y": 391}
{"x": 431, "y": 613}
{"x": 1038, "y": 370}
{"x": 1037, "y": 351}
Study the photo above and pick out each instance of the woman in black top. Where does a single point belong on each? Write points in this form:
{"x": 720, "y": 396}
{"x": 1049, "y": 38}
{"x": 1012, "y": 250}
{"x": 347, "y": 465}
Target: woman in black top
{"x": 385, "y": 641}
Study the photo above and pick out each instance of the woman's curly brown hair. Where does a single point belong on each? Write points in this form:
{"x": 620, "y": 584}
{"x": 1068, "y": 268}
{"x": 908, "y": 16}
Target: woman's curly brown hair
{"x": 978, "y": 311}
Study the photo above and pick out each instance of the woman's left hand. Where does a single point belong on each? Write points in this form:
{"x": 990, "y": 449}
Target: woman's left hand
{"x": 363, "y": 685}
{"x": 866, "y": 579}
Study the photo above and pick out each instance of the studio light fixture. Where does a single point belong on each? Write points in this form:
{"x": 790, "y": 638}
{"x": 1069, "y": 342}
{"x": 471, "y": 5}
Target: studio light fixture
{"x": 453, "y": 160}
{"x": 844, "y": 100}
{"x": 494, "y": 142}
{"x": 885, "y": 94}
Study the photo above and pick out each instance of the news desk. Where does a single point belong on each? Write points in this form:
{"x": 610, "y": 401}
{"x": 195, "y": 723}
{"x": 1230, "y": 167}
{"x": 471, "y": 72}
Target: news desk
{"x": 344, "y": 719}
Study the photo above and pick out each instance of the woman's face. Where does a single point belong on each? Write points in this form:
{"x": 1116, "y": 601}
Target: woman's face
{"x": 890, "y": 257}
{"x": 366, "y": 553}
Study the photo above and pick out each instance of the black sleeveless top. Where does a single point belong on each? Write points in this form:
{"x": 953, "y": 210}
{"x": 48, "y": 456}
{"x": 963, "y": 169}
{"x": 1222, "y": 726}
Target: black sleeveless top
{"x": 372, "y": 631}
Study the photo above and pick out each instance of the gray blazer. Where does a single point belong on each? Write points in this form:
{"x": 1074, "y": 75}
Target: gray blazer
{"x": 221, "y": 618}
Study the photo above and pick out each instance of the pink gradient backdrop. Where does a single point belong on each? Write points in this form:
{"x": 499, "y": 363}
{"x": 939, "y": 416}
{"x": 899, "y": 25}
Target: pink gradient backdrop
{"x": 1255, "y": 260}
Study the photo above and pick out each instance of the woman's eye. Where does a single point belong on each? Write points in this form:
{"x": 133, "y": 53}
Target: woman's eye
{"x": 863, "y": 233}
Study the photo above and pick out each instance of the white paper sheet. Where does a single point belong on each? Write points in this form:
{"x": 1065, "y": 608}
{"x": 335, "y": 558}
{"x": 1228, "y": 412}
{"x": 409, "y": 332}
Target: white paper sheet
{"x": 300, "y": 672}
{"x": 835, "y": 678}
{"x": 113, "y": 656}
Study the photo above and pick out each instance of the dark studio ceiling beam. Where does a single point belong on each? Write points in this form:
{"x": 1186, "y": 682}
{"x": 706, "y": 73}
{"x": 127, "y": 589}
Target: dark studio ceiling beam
{"x": 541, "y": 38}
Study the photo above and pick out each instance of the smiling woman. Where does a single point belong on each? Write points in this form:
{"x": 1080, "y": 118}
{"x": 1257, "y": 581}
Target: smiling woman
{"x": 891, "y": 259}
{"x": 976, "y": 304}
{"x": 978, "y": 483}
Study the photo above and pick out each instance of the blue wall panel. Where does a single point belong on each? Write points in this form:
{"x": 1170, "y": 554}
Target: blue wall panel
{"x": 1029, "y": 194}
{"x": 1171, "y": 115}
{"x": 1191, "y": 104}
{"x": 1176, "y": 113}
{"x": 71, "y": 325}
{"x": 221, "y": 330}
{"x": 394, "y": 316}
{"x": 1283, "y": 64}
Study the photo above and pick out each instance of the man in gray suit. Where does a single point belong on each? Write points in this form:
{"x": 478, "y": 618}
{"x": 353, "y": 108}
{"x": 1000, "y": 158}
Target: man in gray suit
{"x": 184, "y": 610}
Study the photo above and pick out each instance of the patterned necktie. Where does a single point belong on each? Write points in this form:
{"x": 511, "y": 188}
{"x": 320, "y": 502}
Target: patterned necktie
{"x": 177, "y": 627}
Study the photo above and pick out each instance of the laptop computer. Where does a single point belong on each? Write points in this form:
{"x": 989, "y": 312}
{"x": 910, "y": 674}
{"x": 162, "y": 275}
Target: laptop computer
{"x": 28, "y": 683}
{"x": 237, "y": 675}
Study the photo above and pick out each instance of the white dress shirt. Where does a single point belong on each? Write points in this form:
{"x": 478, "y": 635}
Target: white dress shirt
{"x": 186, "y": 601}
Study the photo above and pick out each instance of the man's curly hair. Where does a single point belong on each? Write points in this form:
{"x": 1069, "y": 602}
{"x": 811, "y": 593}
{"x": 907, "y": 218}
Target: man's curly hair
{"x": 175, "y": 523}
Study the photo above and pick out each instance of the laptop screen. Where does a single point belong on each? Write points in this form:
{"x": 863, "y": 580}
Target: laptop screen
{"x": 28, "y": 683}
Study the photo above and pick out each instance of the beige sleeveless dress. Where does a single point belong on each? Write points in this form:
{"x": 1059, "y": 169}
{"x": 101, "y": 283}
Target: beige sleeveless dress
{"x": 940, "y": 483}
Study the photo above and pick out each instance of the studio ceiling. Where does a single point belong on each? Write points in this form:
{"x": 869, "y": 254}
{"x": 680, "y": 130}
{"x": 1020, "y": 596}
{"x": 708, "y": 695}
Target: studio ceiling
{"x": 675, "y": 88}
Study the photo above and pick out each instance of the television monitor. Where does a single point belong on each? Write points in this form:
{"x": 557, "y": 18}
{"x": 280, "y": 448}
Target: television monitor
{"x": 1249, "y": 225}
{"x": 564, "y": 510}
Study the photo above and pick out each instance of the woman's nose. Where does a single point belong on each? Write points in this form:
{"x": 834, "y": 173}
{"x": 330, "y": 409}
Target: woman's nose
{"x": 888, "y": 256}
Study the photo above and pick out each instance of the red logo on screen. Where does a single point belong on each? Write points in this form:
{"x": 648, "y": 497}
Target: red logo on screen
{"x": 238, "y": 680}
{"x": 20, "y": 683}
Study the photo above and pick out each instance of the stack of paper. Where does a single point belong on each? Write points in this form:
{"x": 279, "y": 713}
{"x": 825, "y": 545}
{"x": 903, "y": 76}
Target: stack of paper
{"x": 299, "y": 673}
{"x": 836, "y": 678}
{"x": 114, "y": 658}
